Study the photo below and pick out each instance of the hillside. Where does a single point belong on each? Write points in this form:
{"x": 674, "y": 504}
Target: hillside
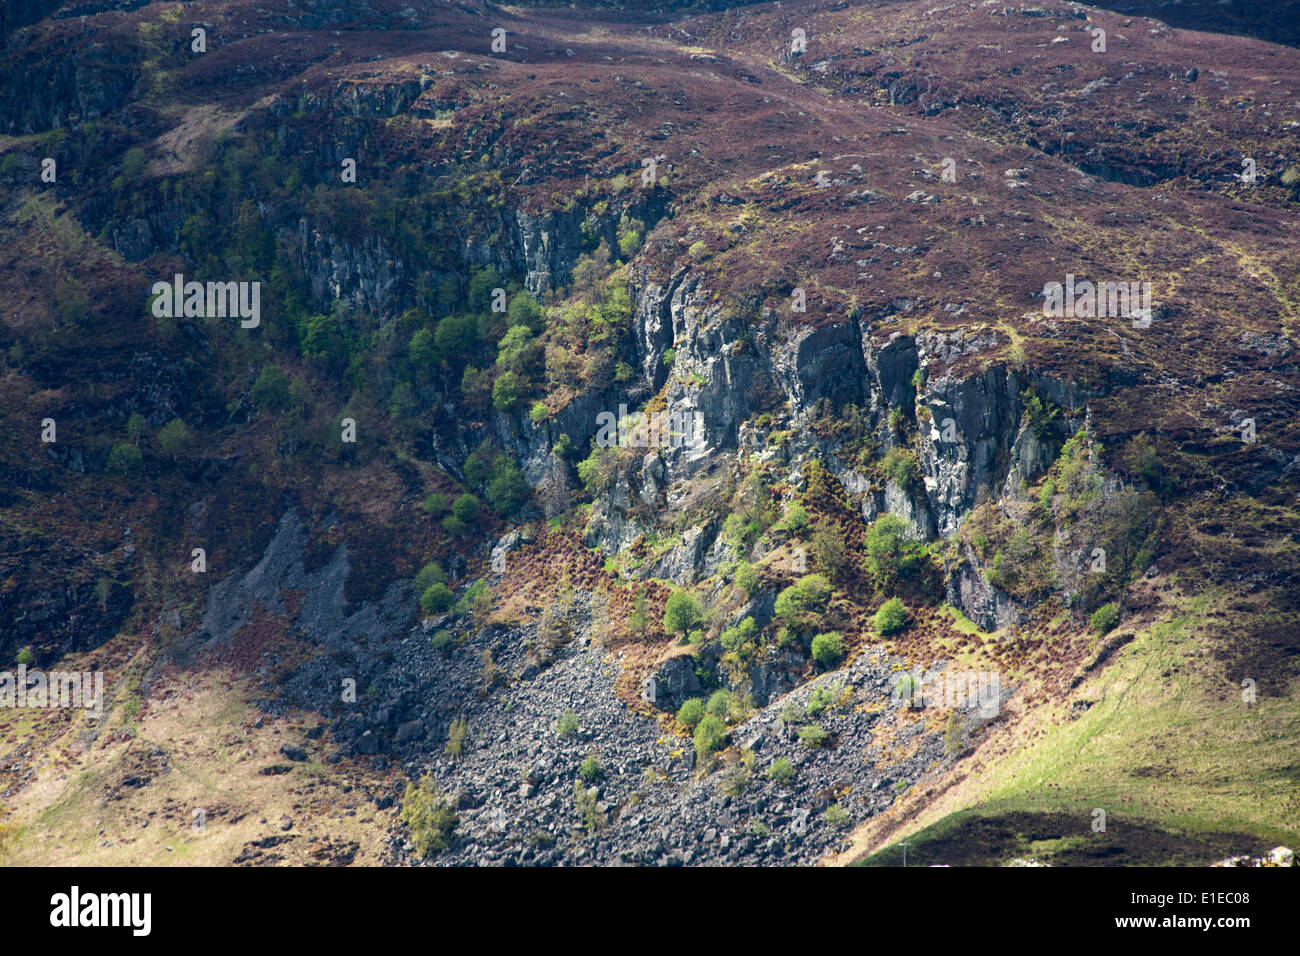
{"x": 368, "y": 584}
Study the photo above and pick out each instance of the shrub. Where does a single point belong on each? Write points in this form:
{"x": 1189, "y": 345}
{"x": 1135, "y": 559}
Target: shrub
{"x": 796, "y": 519}
{"x": 435, "y": 599}
{"x": 836, "y": 815}
{"x": 814, "y": 736}
{"x": 174, "y": 439}
{"x": 465, "y": 508}
{"x": 567, "y": 725}
{"x": 123, "y": 457}
{"x": 436, "y": 505}
{"x": 900, "y": 464}
{"x": 506, "y": 488}
{"x": 587, "y": 804}
{"x": 892, "y": 617}
{"x": 1105, "y": 618}
{"x": 271, "y": 390}
{"x": 747, "y": 579}
{"x": 681, "y": 613}
{"x": 430, "y": 817}
{"x": 699, "y": 249}
{"x": 456, "y": 734}
{"x": 822, "y": 698}
{"x": 830, "y": 549}
{"x": 429, "y": 575}
{"x": 25, "y": 656}
{"x": 719, "y": 703}
{"x": 690, "y": 713}
{"x": 802, "y": 605}
{"x": 507, "y": 391}
{"x": 441, "y": 640}
{"x": 591, "y": 769}
{"x": 781, "y": 771}
{"x": 887, "y": 544}
{"x": 828, "y": 649}
{"x": 710, "y": 735}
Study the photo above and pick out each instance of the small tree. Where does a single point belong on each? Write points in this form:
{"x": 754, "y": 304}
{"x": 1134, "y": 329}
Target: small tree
{"x": 1105, "y": 618}
{"x": 174, "y": 439}
{"x": 682, "y": 613}
{"x": 887, "y": 544}
{"x": 691, "y": 713}
{"x": 430, "y": 817}
{"x": 828, "y": 649}
{"x": 802, "y": 605}
{"x": 747, "y": 579}
{"x": 892, "y": 617}
{"x": 436, "y": 598}
{"x": 710, "y": 735}
{"x": 465, "y": 509}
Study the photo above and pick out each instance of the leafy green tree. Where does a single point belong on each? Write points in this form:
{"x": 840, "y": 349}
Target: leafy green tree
{"x": 135, "y": 428}
{"x": 465, "y": 508}
{"x": 422, "y": 350}
{"x": 271, "y": 390}
{"x": 518, "y": 350}
{"x": 828, "y": 649}
{"x": 691, "y": 713}
{"x": 506, "y": 488}
{"x": 682, "y": 613}
{"x": 719, "y": 703}
{"x": 429, "y": 815}
{"x": 891, "y": 617}
{"x": 747, "y": 579}
{"x": 124, "y": 457}
{"x": 710, "y": 735}
{"x": 436, "y": 598}
{"x": 481, "y": 284}
{"x": 457, "y": 338}
{"x": 174, "y": 439}
{"x": 507, "y": 391}
{"x": 1105, "y": 618}
{"x": 887, "y": 544}
{"x": 524, "y": 310}
{"x": 802, "y": 606}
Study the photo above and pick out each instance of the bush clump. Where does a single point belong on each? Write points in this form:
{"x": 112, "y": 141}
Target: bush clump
{"x": 892, "y": 617}
{"x": 781, "y": 771}
{"x": 431, "y": 819}
{"x": 828, "y": 649}
{"x": 691, "y": 713}
{"x": 1105, "y": 618}
{"x": 710, "y": 735}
